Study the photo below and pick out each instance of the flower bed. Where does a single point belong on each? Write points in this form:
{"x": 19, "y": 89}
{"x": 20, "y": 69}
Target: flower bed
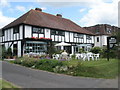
{"x": 96, "y": 69}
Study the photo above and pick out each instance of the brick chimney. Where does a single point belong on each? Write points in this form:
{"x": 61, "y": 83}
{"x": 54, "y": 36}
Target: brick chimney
{"x": 59, "y": 15}
{"x": 38, "y": 9}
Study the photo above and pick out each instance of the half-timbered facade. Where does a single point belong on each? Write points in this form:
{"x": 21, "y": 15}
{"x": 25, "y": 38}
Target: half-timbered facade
{"x": 33, "y": 31}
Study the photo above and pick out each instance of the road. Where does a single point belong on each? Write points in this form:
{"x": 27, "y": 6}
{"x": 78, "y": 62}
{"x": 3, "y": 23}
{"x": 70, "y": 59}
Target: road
{"x": 30, "y": 78}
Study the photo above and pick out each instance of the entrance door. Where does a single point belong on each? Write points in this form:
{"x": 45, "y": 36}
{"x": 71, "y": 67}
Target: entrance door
{"x": 15, "y": 50}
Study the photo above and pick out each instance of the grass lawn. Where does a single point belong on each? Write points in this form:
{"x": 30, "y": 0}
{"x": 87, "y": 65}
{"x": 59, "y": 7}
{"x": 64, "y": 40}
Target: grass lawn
{"x": 98, "y": 69}
{"x": 6, "y": 84}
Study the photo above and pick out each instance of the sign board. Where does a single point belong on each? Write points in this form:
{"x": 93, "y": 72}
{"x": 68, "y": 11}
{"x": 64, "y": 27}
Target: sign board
{"x": 112, "y": 40}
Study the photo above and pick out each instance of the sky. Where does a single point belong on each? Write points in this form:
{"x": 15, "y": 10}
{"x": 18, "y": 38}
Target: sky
{"x": 83, "y": 12}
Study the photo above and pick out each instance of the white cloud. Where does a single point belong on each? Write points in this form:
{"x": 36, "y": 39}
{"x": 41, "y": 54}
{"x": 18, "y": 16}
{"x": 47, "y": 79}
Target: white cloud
{"x": 82, "y": 10}
{"x": 66, "y": 3}
{"x": 43, "y": 8}
{"x": 21, "y": 8}
{"x": 102, "y": 13}
{"x": 5, "y": 20}
{"x": 4, "y": 3}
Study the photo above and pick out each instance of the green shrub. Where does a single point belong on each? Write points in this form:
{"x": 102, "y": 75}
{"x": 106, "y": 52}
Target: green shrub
{"x": 112, "y": 53}
{"x": 4, "y": 52}
{"x": 9, "y": 52}
{"x": 44, "y": 64}
{"x": 95, "y": 50}
{"x": 73, "y": 56}
{"x": 81, "y": 50}
{"x": 48, "y": 64}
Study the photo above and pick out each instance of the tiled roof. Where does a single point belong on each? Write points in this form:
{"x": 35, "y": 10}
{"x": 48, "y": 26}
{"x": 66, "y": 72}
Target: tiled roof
{"x": 102, "y": 29}
{"x": 39, "y": 18}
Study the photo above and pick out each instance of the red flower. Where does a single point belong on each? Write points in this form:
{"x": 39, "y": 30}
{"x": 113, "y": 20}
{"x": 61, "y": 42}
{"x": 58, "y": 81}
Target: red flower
{"x": 33, "y": 37}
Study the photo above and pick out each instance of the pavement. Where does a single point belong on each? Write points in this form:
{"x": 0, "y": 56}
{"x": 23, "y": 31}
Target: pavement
{"x": 31, "y": 78}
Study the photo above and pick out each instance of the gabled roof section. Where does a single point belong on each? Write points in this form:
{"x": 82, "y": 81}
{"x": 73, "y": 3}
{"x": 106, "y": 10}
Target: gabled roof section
{"x": 18, "y": 21}
{"x": 39, "y": 18}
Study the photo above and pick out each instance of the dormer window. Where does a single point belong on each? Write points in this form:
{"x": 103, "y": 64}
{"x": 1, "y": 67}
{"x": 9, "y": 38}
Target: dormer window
{"x": 108, "y": 30}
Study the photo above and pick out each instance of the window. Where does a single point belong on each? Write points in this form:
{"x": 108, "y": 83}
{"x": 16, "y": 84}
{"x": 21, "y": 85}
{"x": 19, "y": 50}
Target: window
{"x": 88, "y": 37}
{"x": 97, "y": 39}
{"x": 81, "y": 36}
{"x": 78, "y": 35}
{"x": 35, "y": 47}
{"x": 61, "y": 33}
{"x": 16, "y": 29}
{"x": 108, "y": 30}
{"x": 75, "y": 35}
{"x": 54, "y": 32}
{"x": 38, "y": 30}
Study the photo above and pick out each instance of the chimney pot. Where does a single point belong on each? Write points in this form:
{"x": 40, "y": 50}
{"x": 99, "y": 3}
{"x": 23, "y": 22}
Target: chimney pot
{"x": 59, "y": 15}
{"x": 38, "y": 9}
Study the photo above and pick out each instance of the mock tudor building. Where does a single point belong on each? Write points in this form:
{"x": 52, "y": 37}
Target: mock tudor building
{"x": 35, "y": 30}
{"x": 102, "y": 31}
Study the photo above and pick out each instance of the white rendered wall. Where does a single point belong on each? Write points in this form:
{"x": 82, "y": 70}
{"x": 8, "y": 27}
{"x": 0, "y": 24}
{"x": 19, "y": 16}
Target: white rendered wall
{"x": 21, "y": 32}
{"x": 5, "y": 35}
{"x": 47, "y": 33}
{"x": 66, "y": 36}
{"x": 41, "y": 35}
{"x": 17, "y": 35}
{"x": 8, "y": 35}
{"x": 52, "y": 36}
{"x": 6, "y": 45}
{"x": 60, "y": 39}
{"x": 35, "y": 35}
{"x": 56, "y": 37}
{"x": 71, "y": 37}
{"x": 84, "y": 38}
{"x": 92, "y": 39}
{"x": 104, "y": 39}
{"x": 12, "y": 34}
{"x": 63, "y": 39}
{"x": 19, "y": 48}
{"x": 98, "y": 43}
{"x": 28, "y": 31}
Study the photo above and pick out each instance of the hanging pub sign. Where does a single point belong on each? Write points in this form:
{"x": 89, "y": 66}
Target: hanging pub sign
{"x": 111, "y": 41}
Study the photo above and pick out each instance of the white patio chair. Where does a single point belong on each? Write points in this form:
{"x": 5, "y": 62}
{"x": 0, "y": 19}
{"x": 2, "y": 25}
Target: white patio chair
{"x": 83, "y": 56}
{"x": 78, "y": 56}
{"x": 90, "y": 55}
{"x": 56, "y": 56}
{"x": 71, "y": 56}
{"x": 96, "y": 56}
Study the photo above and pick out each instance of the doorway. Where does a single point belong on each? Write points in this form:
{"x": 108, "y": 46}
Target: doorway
{"x": 15, "y": 50}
